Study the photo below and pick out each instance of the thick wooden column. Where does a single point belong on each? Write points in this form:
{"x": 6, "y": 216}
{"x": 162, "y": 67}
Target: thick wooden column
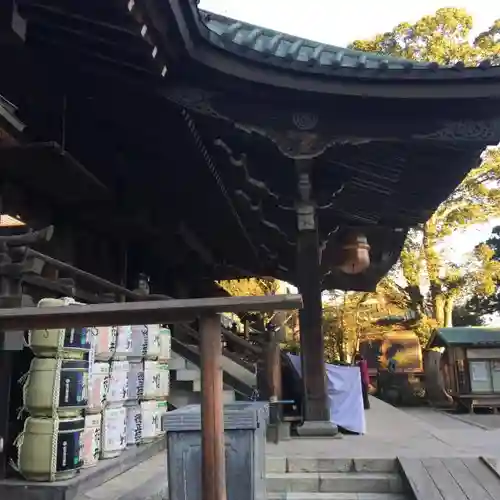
{"x": 311, "y": 327}
{"x": 316, "y": 411}
{"x": 213, "y": 466}
{"x": 273, "y": 362}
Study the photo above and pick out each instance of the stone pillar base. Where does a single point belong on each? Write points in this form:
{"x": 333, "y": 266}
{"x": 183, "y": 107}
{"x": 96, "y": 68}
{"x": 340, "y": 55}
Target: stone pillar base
{"x": 280, "y": 432}
{"x": 311, "y": 428}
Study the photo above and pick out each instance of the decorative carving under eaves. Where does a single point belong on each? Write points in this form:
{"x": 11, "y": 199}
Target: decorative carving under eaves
{"x": 271, "y": 255}
{"x": 485, "y": 131}
{"x": 258, "y": 209}
{"x": 197, "y": 100}
{"x": 242, "y": 163}
{"x": 305, "y": 121}
{"x": 299, "y": 145}
{"x": 296, "y": 142}
{"x": 215, "y": 173}
{"x": 305, "y": 208}
{"x": 324, "y": 243}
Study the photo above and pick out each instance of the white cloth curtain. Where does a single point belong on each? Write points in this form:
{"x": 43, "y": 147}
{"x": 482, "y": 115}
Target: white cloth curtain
{"x": 344, "y": 395}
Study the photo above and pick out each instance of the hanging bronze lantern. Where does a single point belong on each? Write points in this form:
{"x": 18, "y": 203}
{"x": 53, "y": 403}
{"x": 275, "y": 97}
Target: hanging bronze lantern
{"x": 355, "y": 254}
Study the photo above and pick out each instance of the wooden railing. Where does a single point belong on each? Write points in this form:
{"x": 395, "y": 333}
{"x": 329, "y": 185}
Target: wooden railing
{"x": 247, "y": 349}
{"x": 169, "y": 311}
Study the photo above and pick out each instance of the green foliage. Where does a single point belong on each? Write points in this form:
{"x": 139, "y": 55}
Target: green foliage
{"x": 487, "y": 299}
{"x": 425, "y": 281}
{"x": 489, "y": 42}
{"x": 250, "y": 286}
{"x": 443, "y": 38}
{"x": 423, "y": 261}
{"x": 345, "y": 319}
{"x": 464, "y": 315}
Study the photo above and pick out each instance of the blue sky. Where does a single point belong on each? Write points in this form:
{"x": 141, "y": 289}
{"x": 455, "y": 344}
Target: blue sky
{"x": 340, "y": 22}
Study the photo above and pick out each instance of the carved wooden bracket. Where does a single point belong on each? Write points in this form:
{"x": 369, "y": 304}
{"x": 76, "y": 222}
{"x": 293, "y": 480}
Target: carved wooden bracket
{"x": 487, "y": 131}
{"x": 297, "y": 144}
{"x": 296, "y": 135}
{"x": 303, "y": 134}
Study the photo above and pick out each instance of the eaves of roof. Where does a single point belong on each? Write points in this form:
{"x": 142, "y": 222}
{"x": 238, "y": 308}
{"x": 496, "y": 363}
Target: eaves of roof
{"x": 246, "y": 53}
{"x": 281, "y": 49}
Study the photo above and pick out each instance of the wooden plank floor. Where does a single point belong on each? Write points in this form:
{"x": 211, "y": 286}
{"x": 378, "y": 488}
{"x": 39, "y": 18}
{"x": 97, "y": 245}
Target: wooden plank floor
{"x": 450, "y": 479}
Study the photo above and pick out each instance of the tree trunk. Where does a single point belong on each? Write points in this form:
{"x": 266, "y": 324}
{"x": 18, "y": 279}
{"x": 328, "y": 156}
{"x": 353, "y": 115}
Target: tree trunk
{"x": 432, "y": 270}
{"x": 341, "y": 344}
{"x": 448, "y": 312}
{"x": 439, "y": 309}
{"x": 342, "y": 331}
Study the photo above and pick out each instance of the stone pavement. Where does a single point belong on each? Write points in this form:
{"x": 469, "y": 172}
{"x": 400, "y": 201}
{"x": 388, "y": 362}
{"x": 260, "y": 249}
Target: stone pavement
{"x": 146, "y": 481}
{"x": 391, "y": 432}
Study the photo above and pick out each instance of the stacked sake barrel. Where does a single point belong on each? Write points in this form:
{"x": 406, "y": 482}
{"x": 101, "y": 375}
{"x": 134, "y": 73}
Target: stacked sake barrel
{"x": 148, "y": 383}
{"x": 109, "y": 391}
{"x": 163, "y": 359}
{"x": 55, "y": 397}
{"x": 98, "y": 386}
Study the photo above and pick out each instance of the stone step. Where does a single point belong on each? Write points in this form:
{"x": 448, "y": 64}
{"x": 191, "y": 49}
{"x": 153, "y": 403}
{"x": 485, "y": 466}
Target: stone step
{"x": 180, "y": 397}
{"x": 337, "y": 496}
{"x": 305, "y": 464}
{"x": 176, "y": 363}
{"x": 187, "y": 375}
{"x": 334, "y": 482}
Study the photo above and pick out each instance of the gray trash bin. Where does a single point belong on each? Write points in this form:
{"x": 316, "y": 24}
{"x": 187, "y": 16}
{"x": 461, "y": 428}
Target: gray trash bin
{"x": 245, "y": 435}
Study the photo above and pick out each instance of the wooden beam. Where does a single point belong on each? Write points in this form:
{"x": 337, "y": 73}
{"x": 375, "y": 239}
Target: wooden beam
{"x": 113, "y": 31}
{"x": 75, "y": 272}
{"x": 80, "y": 56}
{"x": 213, "y": 467}
{"x": 193, "y": 242}
{"x": 130, "y": 313}
{"x": 102, "y": 46}
{"x": 244, "y": 344}
{"x": 39, "y": 166}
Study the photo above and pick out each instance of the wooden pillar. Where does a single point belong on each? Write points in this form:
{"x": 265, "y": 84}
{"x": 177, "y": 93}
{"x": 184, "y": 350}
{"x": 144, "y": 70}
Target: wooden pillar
{"x": 311, "y": 327}
{"x": 213, "y": 466}
{"x": 315, "y": 408}
{"x": 273, "y": 366}
{"x": 62, "y": 248}
{"x": 5, "y": 383}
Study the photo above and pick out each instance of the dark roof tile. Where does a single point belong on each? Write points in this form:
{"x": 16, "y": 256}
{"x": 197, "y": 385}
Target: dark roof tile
{"x": 270, "y": 42}
{"x": 266, "y": 43}
{"x": 473, "y": 336}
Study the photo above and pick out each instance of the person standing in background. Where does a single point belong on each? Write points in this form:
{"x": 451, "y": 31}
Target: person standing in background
{"x": 365, "y": 378}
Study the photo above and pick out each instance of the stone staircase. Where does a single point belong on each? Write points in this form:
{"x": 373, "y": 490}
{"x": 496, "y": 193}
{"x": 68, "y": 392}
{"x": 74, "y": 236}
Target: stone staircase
{"x": 334, "y": 479}
{"x": 287, "y": 479}
{"x": 185, "y": 387}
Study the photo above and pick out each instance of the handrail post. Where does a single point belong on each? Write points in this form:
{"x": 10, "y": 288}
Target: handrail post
{"x": 213, "y": 466}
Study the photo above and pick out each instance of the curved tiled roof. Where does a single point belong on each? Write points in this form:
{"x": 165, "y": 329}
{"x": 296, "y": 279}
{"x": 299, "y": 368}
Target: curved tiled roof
{"x": 279, "y": 48}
